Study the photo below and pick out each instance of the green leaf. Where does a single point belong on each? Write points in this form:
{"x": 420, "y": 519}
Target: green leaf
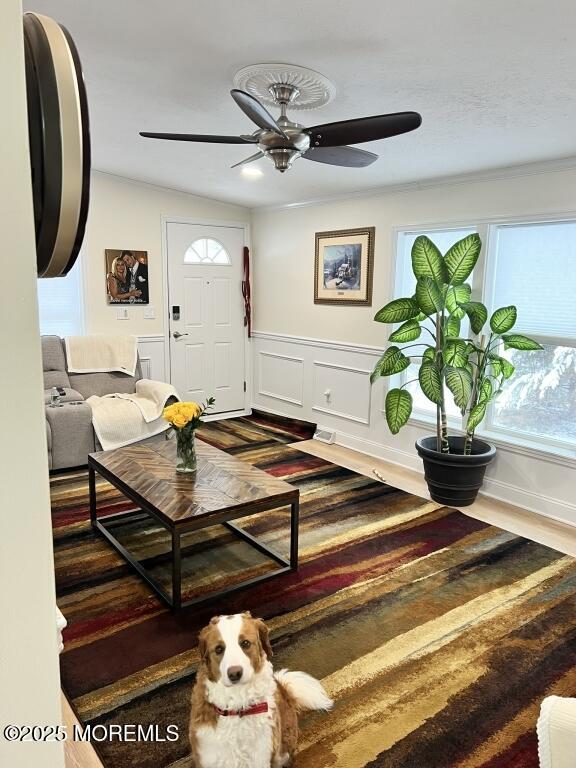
{"x": 408, "y": 331}
{"x": 517, "y": 341}
{"x": 392, "y": 361}
{"x": 427, "y": 260}
{"x": 485, "y": 391}
{"x": 459, "y": 382}
{"x": 428, "y": 295}
{"x": 501, "y": 366}
{"x": 452, "y": 328}
{"x": 476, "y": 415}
{"x": 429, "y": 354}
{"x": 507, "y": 368}
{"x": 397, "y": 311}
{"x": 431, "y": 382}
{"x": 503, "y": 319}
{"x": 456, "y": 353}
{"x": 456, "y": 295}
{"x": 462, "y": 257}
{"x": 496, "y": 363}
{"x": 398, "y": 408}
{"x": 477, "y": 313}
{"x": 459, "y": 313}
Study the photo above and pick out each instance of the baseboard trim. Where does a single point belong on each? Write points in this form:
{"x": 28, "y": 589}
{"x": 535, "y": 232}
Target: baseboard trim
{"x": 545, "y": 506}
{"x": 554, "y": 509}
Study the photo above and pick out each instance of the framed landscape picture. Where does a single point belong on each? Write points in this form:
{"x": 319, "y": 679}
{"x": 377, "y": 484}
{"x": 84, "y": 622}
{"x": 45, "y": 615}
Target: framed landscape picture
{"x": 343, "y": 267}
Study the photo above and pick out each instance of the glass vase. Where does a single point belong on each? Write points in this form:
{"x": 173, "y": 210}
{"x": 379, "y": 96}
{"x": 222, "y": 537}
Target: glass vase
{"x": 185, "y": 451}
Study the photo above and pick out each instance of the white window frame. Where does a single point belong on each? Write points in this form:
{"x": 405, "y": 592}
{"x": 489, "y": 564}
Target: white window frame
{"x": 208, "y": 262}
{"x": 488, "y": 429}
{"x": 482, "y": 290}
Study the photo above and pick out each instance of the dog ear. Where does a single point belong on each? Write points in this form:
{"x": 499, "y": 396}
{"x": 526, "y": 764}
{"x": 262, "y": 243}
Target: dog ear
{"x": 264, "y": 637}
{"x": 203, "y": 644}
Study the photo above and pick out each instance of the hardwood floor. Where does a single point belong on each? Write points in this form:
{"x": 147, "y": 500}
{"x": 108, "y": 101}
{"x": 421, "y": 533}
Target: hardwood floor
{"x": 560, "y": 536}
{"x": 555, "y": 534}
{"x": 78, "y": 754}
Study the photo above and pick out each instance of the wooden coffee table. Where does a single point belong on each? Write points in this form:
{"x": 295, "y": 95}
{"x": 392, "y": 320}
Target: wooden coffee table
{"x": 223, "y": 489}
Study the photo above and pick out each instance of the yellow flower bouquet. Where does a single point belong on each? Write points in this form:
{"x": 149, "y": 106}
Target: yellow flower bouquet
{"x": 184, "y": 418}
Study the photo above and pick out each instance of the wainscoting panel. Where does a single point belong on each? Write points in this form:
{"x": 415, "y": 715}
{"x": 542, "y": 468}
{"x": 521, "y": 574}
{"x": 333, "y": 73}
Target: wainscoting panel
{"x": 318, "y": 381}
{"x": 343, "y": 391}
{"x": 280, "y": 377}
{"x": 328, "y": 383}
{"x": 153, "y": 357}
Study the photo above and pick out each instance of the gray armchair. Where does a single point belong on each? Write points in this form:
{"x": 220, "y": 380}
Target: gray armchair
{"x": 69, "y": 431}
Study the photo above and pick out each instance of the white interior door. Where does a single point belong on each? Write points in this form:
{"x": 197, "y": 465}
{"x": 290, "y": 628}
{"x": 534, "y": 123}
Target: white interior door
{"x": 205, "y": 269}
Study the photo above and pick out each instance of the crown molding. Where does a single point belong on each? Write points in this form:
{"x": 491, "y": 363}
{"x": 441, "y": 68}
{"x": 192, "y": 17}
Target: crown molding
{"x": 560, "y": 165}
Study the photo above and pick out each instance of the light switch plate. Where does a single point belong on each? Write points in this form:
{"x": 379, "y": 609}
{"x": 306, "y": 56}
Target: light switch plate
{"x": 149, "y": 313}
{"x": 122, "y": 313}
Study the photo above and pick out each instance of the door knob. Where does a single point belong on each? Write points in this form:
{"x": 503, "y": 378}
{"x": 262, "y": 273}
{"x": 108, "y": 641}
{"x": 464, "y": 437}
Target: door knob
{"x": 177, "y": 334}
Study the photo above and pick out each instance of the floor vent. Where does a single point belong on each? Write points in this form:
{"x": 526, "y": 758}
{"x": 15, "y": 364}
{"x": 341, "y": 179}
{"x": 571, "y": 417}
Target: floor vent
{"x": 325, "y": 436}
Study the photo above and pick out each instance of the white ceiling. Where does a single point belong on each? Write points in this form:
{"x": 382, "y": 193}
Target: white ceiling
{"x": 495, "y": 83}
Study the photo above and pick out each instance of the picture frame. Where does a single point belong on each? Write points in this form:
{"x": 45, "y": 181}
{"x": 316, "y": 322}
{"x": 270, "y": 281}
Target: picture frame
{"x": 343, "y": 266}
{"x": 126, "y": 276}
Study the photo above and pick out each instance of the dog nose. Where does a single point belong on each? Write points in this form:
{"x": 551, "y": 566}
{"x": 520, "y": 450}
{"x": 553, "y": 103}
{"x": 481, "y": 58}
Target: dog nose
{"x": 234, "y": 674}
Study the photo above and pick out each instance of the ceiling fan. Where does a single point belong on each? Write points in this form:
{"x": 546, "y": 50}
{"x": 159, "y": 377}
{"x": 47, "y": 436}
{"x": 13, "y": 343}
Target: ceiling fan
{"x": 283, "y": 140}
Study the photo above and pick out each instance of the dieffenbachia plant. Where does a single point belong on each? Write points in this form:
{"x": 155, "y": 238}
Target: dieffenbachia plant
{"x": 470, "y": 368}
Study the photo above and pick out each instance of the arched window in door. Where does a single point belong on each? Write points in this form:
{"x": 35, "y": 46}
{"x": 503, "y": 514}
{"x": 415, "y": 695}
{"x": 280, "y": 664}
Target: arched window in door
{"x": 206, "y": 250}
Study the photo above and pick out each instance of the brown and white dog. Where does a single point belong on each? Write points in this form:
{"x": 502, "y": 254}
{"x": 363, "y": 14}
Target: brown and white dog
{"x": 245, "y": 715}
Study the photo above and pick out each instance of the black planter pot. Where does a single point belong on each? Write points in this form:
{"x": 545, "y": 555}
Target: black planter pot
{"x": 454, "y": 479}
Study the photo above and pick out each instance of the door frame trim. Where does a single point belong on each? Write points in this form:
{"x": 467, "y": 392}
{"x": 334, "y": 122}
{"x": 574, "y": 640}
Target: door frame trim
{"x": 203, "y": 222}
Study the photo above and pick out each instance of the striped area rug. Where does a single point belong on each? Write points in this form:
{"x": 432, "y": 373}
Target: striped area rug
{"x": 437, "y": 634}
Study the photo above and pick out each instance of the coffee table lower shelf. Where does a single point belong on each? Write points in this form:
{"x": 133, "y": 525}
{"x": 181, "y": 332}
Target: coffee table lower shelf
{"x": 174, "y": 601}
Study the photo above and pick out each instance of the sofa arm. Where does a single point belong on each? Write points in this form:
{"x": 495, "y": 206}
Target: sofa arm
{"x": 49, "y": 443}
{"x": 69, "y": 396}
{"x": 557, "y": 732}
{"x": 72, "y": 434}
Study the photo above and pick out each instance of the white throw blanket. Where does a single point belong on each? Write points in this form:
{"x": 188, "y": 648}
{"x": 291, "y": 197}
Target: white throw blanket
{"x": 123, "y": 419}
{"x": 101, "y": 354}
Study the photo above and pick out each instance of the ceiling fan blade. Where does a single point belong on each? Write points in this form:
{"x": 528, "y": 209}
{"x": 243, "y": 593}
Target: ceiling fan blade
{"x": 363, "y": 129}
{"x": 350, "y": 157}
{"x": 250, "y": 159}
{"x": 256, "y": 111}
{"x": 200, "y": 137}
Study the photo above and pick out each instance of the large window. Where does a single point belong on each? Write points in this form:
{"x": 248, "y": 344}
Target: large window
{"x": 534, "y": 267}
{"x": 531, "y": 265}
{"x": 60, "y": 303}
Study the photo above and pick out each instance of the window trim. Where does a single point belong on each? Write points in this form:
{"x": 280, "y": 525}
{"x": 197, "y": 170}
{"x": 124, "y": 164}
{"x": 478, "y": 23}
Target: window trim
{"x": 482, "y": 288}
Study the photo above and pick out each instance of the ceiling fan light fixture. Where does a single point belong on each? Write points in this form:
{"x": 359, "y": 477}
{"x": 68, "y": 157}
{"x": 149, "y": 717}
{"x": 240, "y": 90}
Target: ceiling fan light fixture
{"x": 282, "y": 158}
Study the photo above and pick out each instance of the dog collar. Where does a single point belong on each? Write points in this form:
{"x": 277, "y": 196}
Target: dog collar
{"x": 255, "y": 709}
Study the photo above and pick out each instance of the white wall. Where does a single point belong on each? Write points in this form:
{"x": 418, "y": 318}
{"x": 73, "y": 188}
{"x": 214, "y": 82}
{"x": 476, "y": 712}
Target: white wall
{"x": 128, "y": 214}
{"x": 29, "y": 681}
{"x": 302, "y": 349}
